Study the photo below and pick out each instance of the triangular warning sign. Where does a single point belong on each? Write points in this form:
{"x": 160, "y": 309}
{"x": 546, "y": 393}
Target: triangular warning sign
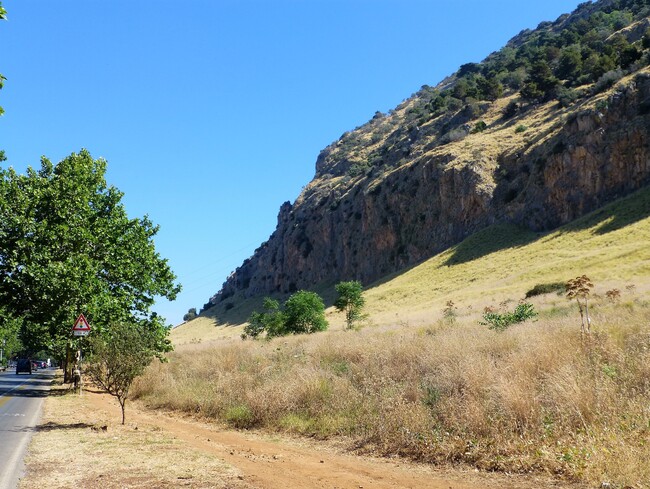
{"x": 81, "y": 324}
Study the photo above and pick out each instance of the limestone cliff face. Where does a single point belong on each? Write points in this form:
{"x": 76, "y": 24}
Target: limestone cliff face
{"x": 391, "y": 193}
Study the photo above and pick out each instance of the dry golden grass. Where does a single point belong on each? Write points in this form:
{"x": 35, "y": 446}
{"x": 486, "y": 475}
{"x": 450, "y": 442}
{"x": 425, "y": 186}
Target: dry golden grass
{"x": 537, "y": 397}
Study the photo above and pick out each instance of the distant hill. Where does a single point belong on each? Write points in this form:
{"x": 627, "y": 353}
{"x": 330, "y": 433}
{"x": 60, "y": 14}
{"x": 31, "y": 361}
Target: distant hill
{"x": 549, "y": 128}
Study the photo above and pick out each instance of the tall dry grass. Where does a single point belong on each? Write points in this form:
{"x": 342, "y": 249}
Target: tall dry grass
{"x": 537, "y": 397}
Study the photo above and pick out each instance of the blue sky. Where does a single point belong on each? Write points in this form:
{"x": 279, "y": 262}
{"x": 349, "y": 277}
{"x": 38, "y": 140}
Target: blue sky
{"x": 211, "y": 113}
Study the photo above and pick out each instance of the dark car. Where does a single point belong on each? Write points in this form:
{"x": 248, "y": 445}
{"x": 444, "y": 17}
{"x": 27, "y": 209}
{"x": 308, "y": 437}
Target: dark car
{"x": 24, "y": 365}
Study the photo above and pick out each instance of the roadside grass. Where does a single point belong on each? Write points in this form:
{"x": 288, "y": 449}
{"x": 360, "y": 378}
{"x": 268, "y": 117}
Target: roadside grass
{"x": 535, "y": 398}
{"x": 78, "y": 446}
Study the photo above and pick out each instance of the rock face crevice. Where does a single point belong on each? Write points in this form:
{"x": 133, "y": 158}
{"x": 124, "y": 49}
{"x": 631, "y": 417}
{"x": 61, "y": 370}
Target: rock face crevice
{"x": 423, "y": 193}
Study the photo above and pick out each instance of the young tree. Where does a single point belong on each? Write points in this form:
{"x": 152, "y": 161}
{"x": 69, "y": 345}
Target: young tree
{"x": 304, "y": 312}
{"x": 271, "y": 321}
{"x": 121, "y": 353}
{"x": 350, "y": 300}
{"x": 579, "y": 289}
{"x": 67, "y": 246}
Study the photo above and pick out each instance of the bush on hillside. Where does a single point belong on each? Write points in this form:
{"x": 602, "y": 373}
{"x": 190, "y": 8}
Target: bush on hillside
{"x": 303, "y": 312}
{"x": 502, "y": 321}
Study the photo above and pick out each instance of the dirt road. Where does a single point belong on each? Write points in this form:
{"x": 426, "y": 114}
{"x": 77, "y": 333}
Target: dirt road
{"x": 280, "y": 463}
{"x": 157, "y": 450}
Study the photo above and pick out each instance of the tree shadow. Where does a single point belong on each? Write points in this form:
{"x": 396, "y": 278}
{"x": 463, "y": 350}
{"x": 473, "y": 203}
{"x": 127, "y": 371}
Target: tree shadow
{"x": 52, "y": 426}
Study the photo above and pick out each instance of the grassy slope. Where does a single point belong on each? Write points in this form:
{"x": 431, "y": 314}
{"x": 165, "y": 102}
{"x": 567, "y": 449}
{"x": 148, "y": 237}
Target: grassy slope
{"x": 499, "y": 263}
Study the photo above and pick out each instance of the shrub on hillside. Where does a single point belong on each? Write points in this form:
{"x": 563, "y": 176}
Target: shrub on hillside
{"x": 303, "y": 312}
{"x": 502, "y": 321}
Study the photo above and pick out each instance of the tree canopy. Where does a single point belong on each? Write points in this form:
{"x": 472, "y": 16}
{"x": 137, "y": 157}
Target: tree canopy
{"x": 67, "y": 246}
{"x": 350, "y": 300}
{"x": 304, "y": 312}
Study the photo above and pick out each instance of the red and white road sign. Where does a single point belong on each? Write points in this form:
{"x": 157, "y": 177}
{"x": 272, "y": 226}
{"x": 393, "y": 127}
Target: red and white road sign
{"x": 81, "y": 326}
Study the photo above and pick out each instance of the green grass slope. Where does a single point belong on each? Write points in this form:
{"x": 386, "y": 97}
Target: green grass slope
{"x": 500, "y": 263}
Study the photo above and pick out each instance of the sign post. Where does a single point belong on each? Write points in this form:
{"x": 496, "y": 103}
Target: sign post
{"x": 80, "y": 328}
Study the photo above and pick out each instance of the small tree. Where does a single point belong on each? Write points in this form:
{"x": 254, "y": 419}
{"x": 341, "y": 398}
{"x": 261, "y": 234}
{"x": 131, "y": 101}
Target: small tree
{"x": 120, "y": 354}
{"x": 304, "y": 312}
{"x": 271, "y": 321}
{"x": 350, "y": 300}
{"x": 579, "y": 289}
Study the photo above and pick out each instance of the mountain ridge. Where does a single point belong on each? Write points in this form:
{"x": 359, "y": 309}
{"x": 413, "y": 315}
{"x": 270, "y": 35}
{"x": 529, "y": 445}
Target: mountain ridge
{"x": 413, "y": 182}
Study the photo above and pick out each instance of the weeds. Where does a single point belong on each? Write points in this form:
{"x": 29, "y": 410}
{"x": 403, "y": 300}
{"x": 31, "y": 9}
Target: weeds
{"x": 535, "y": 398}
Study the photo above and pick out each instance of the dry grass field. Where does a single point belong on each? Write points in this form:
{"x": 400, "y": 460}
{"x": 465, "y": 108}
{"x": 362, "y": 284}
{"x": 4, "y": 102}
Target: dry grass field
{"x": 444, "y": 389}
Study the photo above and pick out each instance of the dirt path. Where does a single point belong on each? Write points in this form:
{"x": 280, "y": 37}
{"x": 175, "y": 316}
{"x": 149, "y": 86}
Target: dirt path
{"x": 278, "y": 463}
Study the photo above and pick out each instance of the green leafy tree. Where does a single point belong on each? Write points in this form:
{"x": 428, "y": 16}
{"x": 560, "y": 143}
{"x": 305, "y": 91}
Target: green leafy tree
{"x": 304, "y": 312}
{"x": 67, "y": 246}
{"x": 350, "y": 300}
{"x": 9, "y": 336}
{"x": 121, "y": 353}
{"x": 570, "y": 65}
{"x": 540, "y": 85}
{"x": 270, "y": 321}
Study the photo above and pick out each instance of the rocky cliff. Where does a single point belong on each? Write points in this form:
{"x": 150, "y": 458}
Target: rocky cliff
{"x": 413, "y": 182}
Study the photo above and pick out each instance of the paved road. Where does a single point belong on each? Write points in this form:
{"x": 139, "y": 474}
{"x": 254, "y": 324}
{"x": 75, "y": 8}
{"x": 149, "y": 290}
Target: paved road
{"x": 21, "y": 399}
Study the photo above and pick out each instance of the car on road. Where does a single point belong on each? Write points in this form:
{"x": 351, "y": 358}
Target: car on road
{"x": 24, "y": 365}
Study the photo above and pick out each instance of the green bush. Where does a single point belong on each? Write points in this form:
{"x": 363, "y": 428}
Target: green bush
{"x": 520, "y": 128}
{"x": 500, "y": 322}
{"x": 480, "y": 126}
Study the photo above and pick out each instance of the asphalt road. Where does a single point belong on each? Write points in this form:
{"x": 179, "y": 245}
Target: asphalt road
{"x": 21, "y": 400}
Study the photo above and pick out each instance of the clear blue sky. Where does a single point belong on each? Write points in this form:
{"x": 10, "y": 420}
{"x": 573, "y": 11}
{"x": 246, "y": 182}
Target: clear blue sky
{"x": 211, "y": 113}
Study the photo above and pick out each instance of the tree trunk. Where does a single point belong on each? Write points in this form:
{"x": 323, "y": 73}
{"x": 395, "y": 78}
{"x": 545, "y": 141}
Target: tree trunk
{"x": 122, "y": 405}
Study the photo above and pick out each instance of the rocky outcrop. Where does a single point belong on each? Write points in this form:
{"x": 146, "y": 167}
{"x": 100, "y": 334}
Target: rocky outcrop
{"x": 362, "y": 221}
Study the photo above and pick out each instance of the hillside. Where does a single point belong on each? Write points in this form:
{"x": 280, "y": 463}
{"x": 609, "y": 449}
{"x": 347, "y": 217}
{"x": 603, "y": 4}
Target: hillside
{"x": 552, "y": 126}
{"x": 500, "y": 263}
{"x": 426, "y": 380}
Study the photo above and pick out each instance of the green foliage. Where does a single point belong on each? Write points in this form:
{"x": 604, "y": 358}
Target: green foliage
{"x": 541, "y": 83}
{"x": 502, "y": 321}
{"x": 191, "y": 314}
{"x": 9, "y": 335}
{"x": 67, "y": 246}
{"x": 121, "y": 352}
{"x": 303, "y": 312}
{"x": 520, "y": 128}
{"x": 350, "y": 300}
{"x": 271, "y": 321}
{"x": 480, "y": 126}
{"x": 540, "y": 289}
